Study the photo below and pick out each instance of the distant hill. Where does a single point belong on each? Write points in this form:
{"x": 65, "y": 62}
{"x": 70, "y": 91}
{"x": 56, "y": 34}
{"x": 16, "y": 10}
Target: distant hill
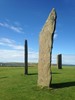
{"x": 16, "y": 64}
{"x": 11, "y": 64}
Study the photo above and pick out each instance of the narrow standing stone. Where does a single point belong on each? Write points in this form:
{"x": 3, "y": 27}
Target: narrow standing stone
{"x": 26, "y": 57}
{"x": 45, "y": 51}
{"x": 59, "y": 61}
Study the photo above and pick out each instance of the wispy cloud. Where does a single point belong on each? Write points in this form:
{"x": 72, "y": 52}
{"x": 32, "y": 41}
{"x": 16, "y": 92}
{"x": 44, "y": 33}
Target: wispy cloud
{"x": 16, "y": 52}
{"x": 17, "y": 56}
{"x": 55, "y": 36}
{"x": 6, "y": 40}
{"x": 12, "y": 27}
{"x": 17, "y": 29}
{"x": 11, "y": 55}
{"x": 10, "y": 43}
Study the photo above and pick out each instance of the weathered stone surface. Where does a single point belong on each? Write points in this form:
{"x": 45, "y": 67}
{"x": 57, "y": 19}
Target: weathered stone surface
{"x": 26, "y": 57}
{"x": 59, "y": 61}
{"x": 45, "y": 51}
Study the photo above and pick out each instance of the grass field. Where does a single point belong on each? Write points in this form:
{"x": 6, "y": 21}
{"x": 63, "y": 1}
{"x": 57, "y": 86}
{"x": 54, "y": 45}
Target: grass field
{"x": 14, "y": 85}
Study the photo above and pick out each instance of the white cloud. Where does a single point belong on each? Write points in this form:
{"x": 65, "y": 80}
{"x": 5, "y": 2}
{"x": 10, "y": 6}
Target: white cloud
{"x": 17, "y": 56}
{"x": 68, "y": 58}
{"x": 10, "y": 43}
{"x": 55, "y": 36}
{"x": 17, "y": 29}
{"x": 16, "y": 53}
{"x": 12, "y": 27}
{"x": 54, "y": 58}
{"x": 33, "y": 56}
{"x": 11, "y": 55}
{"x": 6, "y": 40}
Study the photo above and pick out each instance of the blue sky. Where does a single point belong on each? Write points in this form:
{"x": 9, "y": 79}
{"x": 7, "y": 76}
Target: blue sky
{"x": 24, "y": 19}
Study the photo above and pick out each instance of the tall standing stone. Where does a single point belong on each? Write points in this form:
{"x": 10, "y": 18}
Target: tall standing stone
{"x": 26, "y": 57}
{"x": 59, "y": 61}
{"x": 45, "y": 51}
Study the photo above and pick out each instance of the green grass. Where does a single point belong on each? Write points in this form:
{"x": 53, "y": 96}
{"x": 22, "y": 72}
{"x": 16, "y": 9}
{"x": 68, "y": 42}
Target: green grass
{"x": 14, "y": 85}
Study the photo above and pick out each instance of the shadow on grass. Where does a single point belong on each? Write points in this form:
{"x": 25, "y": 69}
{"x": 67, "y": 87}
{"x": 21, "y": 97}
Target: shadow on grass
{"x": 3, "y": 77}
{"x": 55, "y": 73}
{"x": 37, "y": 73}
{"x": 63, "y": 85}
{"x": 33, "y": 74}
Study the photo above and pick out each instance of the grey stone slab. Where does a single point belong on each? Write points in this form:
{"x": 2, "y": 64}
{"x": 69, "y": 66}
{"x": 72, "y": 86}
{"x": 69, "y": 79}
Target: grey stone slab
{"x": 45, "y": 50}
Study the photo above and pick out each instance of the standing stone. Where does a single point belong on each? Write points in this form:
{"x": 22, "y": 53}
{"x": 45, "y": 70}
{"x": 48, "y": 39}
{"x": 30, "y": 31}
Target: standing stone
{"x": 45, "y": 51}
{"x": 26, "y": 58}
{"x": 59, "y": 61}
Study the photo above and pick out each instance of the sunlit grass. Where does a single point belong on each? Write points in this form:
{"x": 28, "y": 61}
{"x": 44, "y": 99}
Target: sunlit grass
{"x": 14, "y": 85}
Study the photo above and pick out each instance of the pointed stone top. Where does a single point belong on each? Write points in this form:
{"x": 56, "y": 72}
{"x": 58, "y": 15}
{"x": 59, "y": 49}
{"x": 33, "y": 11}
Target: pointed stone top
{"x": 53, "y": 14}
{"x": 51, "y": 18}
{"x": 53, "y": 9}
